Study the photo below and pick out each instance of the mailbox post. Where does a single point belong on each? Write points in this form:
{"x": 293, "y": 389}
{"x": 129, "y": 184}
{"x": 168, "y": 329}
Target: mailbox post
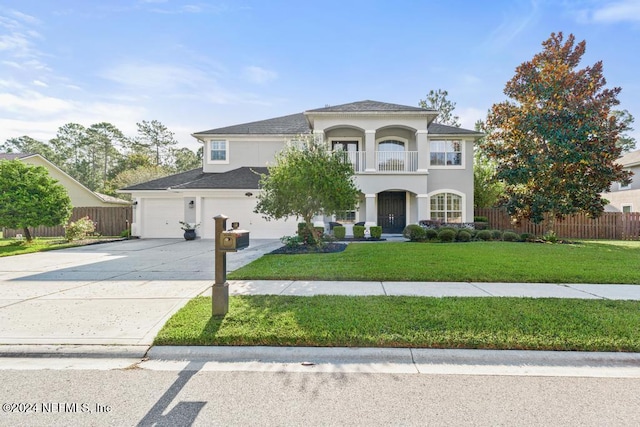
{"x": 226, "y": 241}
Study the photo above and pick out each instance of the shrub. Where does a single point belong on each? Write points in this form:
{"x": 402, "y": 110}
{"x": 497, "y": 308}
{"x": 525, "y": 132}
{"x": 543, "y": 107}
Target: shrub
{"x": 339, "y": 232}
{"x": 550, "y": 237}
{"x": 430, "y": 234}
{"x": 125, "y": 233}
{"x": 496, "y": 234}
{"x": 376, "y": 231}
{"x": 414, "y": 232}
{"x": 480, "y": 219}
{"x": 79, "y": 229}
{"x": 510, "y": 236}
{"x": 526, "y": 237}
{"x": 358, "y": 231}
{"x": 447, "y": 235}
{"x": 464, "y": 236}
{"x": 484, "y": 235}
{"x": 292, "y": 241}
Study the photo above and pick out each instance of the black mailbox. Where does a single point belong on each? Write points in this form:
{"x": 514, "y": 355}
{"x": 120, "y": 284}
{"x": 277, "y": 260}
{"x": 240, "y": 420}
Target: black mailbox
{"x": 233, "y": 240}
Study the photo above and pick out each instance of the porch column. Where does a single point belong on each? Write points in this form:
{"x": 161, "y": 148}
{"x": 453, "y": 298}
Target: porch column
{"x": 370, "y": 147}
{"x": 423, "y": 207}
{"x": 319, "y": 134}
{"x": 371, "y": 210}
{"x": 198, "y": 208}
{"x": 422, "y": 145}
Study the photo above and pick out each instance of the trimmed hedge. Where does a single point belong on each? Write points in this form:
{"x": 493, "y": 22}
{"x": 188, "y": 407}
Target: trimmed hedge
{"x": 339, "y": 232}
{"x": 376, "y": 231}
{"x": 358, "y": 231}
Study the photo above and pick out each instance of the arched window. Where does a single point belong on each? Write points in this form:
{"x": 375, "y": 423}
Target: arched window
{"x": 446, "y": 207}
{"x": 391, "y": 145}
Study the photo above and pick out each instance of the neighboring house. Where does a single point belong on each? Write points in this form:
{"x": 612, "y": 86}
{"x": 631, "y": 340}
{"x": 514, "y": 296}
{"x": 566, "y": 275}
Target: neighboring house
{"x": 407, "y": 168}
{"x": 626, "y": 198}
{"x": 80, "y": 195}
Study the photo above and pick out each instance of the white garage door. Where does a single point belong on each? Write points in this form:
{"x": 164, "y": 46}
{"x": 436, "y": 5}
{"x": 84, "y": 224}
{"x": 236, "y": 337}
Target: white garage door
{"x": 160, "y": 218}
{"x": 241, "y": 209}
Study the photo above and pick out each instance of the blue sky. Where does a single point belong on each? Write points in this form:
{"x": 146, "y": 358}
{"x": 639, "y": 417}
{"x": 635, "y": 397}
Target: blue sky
{"x": 196, "y": 65}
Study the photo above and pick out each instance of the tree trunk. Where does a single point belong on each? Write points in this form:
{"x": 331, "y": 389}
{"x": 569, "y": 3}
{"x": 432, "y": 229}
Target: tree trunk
{"x": 312, "y": 231}
{"x": 549, "y": 222}
{"x": 27, "y": 234}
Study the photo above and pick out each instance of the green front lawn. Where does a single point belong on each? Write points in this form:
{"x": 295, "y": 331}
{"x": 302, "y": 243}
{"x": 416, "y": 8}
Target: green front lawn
{"x": 586, "y": 262}
{"x": 383, "y": 321}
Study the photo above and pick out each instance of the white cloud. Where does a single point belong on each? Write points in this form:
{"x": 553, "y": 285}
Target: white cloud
{"x": 259, "y": 75}
{"x": 158, "y": 76}
{"x": 40, "y": 83}
{"x": 625, "y": 10}
{"x": 31, "y": 102}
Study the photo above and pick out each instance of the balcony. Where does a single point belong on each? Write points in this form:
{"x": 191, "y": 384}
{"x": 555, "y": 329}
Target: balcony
{"x": 385, "y": 161}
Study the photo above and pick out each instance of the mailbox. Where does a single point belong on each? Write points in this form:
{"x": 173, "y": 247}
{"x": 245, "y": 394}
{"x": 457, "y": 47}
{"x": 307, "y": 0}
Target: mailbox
{"x": 233, "y": 240}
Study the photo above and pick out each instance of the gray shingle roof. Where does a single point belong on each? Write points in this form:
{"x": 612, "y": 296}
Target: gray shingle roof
{"x": 238, "y": 179}
{"x": 368, "y": 106}
{"x": 440, "y": 129}
{"x": 293, "y": 124}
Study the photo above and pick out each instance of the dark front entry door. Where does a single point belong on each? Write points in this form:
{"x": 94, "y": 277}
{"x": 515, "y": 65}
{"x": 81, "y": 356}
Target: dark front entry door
{"x": 392, "y": 212}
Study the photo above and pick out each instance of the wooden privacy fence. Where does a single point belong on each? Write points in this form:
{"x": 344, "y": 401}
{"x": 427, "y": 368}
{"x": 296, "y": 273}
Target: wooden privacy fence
{"x": 110, "y": 221}
{"x": 610, "y": 225}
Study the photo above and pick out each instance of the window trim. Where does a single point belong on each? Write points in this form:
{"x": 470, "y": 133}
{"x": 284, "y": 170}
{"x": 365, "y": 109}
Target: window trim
{"x": 462, "y": 153}
{"x": 624, "y": 187}
{"x": 210, "y": 149}
{"x": 626, "y": 205}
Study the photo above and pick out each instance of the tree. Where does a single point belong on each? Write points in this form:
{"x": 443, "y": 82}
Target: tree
{"x": 625, "y": 142}
{"x": 29, "y": 197}
{"x": 555, "y": 142}
{"x": 307, "y": 179}
{"x": 102, "y": 141}
{"x": 437, "y": 100}
{"x": 184, "y": 159}
{"x": 155, "y": 136}
{"x": 487, "y": 189}
{"x": 27, "y": 145}
{"x": 130, "y": 177}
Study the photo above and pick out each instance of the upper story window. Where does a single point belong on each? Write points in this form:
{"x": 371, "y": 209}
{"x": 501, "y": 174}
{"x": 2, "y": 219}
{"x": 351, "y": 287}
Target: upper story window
{"x": 446, "y": 153}
{"x": 391, "y": 145}
{"x": 625, "y": 187}
{"x": 218, "y": 151}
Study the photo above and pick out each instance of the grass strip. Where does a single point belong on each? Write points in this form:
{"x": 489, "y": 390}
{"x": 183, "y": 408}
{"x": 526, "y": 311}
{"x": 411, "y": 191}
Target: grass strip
{"x": 417, "y": 322}
{"x": 587, "y": 262}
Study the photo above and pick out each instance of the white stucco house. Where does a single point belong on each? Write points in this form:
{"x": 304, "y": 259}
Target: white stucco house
{"x": 407, "y": 168}
{"x": 626, "y": 198}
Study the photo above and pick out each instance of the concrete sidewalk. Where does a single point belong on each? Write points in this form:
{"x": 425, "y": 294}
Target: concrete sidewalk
{"x": 433, "y": 289}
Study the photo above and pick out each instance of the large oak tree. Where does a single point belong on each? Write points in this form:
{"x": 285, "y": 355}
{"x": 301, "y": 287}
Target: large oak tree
{"x": 554, "y": 141}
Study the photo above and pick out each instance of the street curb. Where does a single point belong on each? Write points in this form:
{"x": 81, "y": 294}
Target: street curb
{"x": 417, "y": 356}
{"x": 75, "y": 351}
{"x": 282, "y": 354}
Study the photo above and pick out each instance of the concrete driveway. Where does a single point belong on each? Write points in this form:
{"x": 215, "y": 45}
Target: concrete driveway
{"x": 115, "y": 293}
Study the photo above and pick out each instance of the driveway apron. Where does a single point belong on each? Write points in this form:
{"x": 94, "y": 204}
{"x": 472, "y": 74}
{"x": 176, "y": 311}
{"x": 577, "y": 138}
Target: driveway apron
{"x": 118, "y": 293}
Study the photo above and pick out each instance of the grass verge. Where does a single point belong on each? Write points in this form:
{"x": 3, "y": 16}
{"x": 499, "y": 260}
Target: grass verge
{"x": 11, "y": 247}
{"x": 382, "y": 321}
{"x": 587, "y": 262}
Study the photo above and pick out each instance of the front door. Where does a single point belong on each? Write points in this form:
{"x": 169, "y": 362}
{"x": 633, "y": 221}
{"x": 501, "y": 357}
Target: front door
{"x": 392, "y": 211}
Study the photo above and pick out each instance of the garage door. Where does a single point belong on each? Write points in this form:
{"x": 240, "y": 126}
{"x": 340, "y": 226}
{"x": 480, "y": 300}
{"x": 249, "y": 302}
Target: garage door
{"x": 160, "y": 218}
{"x": 241, "y": 209}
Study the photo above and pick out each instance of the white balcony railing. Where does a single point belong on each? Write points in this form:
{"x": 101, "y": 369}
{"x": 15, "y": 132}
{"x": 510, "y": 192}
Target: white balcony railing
{"x": 396, "y": 161}
{"x": 385, "y": 161}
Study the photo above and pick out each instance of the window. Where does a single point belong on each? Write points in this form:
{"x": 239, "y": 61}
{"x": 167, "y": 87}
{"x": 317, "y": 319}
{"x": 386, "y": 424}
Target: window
{"x": 625, "y": 187}
{"x": 446, "y": 153}
{"x": 218, "y": 152}
{"x": 627, "y": 208}
{"x": 446, "y": 207}
{"x": 346, "y": 216}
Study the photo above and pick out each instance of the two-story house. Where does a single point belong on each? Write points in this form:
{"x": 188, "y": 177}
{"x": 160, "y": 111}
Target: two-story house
{"x": 626, "y": 198}
{"x": 407, "y": 168}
